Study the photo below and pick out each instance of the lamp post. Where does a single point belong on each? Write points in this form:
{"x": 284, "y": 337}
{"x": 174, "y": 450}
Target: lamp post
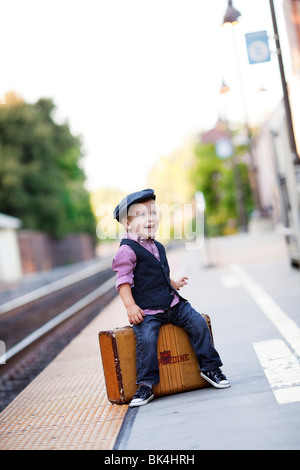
{"x": 231, "y": 17}
{"x": 286, "y": 100}
{"x": 292, "y": 160}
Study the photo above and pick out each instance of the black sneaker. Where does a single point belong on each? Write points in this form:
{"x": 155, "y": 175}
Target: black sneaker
{"x": 142, "y": 396}
{"x": 216, "y": 378}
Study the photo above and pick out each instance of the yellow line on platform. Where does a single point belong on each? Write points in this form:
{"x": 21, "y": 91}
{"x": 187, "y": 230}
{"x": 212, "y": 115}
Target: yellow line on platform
{"x": 66, "y": 406}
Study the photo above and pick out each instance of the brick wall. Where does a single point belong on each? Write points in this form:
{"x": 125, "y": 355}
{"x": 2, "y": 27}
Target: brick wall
{"x": 40, "y": 252}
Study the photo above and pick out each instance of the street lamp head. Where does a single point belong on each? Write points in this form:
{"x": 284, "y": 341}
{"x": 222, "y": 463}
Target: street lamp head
{"x": 231, "y": 14}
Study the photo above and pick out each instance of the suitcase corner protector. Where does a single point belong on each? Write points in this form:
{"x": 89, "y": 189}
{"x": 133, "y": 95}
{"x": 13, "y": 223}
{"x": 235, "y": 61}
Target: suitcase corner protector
{"x": 106, "y": 333}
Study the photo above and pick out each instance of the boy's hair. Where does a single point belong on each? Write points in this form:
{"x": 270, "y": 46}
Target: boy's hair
{"x": 121, "y": 210}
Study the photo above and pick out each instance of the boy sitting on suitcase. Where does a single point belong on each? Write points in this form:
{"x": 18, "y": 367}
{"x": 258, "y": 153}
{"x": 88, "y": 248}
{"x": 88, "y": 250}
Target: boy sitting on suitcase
{"x": 151, "y": 297}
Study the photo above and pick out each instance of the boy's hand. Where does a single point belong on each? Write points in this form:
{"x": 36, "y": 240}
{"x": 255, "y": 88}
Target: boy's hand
{"x": 135, "y": 314}
{"x": 180, "y": 282}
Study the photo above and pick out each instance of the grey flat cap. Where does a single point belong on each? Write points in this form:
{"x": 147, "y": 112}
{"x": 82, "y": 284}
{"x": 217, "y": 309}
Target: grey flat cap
{"x": 140, "y": 196}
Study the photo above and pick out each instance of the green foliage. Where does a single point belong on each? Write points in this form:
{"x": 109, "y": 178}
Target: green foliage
{"x": 217, "y": 179}
{"x": 41, "y": 181}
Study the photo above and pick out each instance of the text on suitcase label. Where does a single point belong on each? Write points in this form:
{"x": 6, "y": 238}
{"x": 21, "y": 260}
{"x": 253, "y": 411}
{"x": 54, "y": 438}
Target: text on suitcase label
{"x": 166, "y": 358}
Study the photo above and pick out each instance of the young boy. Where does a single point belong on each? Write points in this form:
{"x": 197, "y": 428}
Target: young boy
{"x": 151, "y": 297}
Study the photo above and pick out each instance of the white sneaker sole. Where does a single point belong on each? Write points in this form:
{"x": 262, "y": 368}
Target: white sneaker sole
{"x": 214, "y": 384}
{"x": 141, "y": 403}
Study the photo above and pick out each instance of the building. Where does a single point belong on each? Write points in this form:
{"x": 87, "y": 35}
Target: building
{"x": 10, "y": 261}
{"x": 292, "y": 19}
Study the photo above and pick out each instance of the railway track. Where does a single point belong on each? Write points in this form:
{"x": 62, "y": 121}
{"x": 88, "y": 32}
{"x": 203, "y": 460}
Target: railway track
{"x": 38, "y": 325}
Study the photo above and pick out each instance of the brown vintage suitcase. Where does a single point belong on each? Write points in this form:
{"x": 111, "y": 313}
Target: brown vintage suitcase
{"x": 178, "y": 366}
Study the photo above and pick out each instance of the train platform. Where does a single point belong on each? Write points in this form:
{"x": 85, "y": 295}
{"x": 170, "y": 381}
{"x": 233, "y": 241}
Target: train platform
{"x": 65, "y": 407}
{"x": 251, "y": 293}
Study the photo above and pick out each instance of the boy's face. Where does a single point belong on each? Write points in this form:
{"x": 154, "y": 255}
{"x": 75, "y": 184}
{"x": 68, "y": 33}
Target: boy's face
{"x": 142, "y": 219}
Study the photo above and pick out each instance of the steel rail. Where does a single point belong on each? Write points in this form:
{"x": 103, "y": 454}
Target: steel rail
{"x": 61, "y": 317}
{"x": 55, "y": 286}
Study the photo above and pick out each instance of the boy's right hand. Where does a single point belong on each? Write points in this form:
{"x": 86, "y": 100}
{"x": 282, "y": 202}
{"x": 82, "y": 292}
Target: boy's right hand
{"x": 135, "y": 314}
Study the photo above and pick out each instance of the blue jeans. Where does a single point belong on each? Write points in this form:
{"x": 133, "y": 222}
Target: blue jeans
{"x": 146, "y": 334}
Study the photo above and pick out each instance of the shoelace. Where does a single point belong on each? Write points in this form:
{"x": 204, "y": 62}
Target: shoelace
{"x": 219, "y": 374}
{"x": 143, "y": 389}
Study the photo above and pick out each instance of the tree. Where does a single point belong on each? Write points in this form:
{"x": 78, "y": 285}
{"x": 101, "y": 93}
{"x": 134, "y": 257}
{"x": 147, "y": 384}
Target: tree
{"x": 41, "y": 181}
{"x": 169, "y": 176}
{"x": 221, "y": 182}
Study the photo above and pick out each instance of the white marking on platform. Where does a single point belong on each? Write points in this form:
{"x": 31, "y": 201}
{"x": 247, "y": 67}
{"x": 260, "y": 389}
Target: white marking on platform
{"x": 287, "y": 327}
{"x": 281, "y": 368}
{"x": 229, "y": 281}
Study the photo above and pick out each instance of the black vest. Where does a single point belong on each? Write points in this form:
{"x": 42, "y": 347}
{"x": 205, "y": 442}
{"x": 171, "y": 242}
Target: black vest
{"x": 152, "y": 287}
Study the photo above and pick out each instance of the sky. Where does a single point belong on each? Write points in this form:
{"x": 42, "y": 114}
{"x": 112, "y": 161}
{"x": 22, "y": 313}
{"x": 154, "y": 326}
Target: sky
{"x": 137, "y": 78}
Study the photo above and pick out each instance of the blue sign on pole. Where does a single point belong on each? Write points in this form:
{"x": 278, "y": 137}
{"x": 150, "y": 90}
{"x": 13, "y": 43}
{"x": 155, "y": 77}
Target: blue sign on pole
{"x": 258, "y": 47}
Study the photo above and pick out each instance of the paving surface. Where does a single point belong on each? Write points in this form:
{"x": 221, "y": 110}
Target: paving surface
{"x": 246, "y": 285}
{"x": 253, "y": 298}
{"x": 66, "y": 406}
